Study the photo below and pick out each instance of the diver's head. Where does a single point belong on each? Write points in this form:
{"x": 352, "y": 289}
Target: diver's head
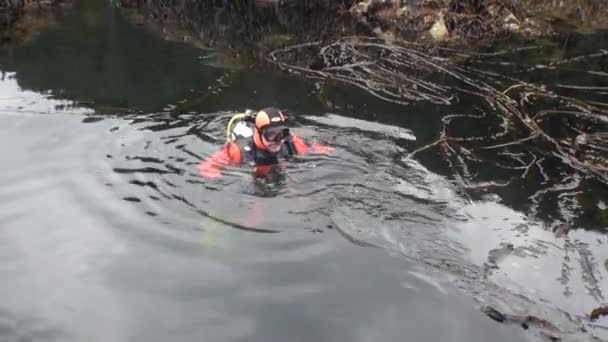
{"x": 270, "y": 130}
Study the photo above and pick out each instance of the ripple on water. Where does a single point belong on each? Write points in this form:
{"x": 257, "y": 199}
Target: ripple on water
{"x": 440, "y": 228}
{"x": 16, "y": 327}
{"x": 146, "y": 221}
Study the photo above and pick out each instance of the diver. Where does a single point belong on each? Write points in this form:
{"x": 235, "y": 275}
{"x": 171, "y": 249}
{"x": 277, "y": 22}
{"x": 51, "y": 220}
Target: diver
{"x": 259, "y": 139}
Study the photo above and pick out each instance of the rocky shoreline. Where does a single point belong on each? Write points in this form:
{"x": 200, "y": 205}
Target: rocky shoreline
{"x": 433, "y": 21}
{"x": 453, "y": 22}
{"x": 263, "y": 25}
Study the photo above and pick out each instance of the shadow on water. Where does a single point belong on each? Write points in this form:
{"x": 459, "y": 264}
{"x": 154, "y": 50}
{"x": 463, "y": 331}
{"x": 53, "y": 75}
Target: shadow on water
{"x": 129, "y": 225}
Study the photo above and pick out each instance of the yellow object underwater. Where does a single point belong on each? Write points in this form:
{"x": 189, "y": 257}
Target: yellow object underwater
{"x": 235, "y": 117}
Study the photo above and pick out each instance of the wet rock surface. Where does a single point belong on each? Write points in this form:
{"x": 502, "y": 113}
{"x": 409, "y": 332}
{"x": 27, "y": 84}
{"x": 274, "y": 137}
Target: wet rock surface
{"x": 495, "y": 256}
{"x": 598, "y": 312}
{"x": 459, "y": 21}
{"x": 543, "y": 327}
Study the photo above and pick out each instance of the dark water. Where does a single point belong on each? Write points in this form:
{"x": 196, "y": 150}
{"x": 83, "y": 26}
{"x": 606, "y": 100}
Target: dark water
{"x": 108, "y": 233}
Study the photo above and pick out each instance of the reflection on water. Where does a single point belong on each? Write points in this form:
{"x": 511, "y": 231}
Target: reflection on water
{"x": 94, "y": 62}
{"x": 110, "y": 233}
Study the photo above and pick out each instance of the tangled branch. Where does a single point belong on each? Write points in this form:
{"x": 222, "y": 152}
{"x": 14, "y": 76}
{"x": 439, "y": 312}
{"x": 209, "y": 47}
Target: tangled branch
{"x": 571, "y": 130}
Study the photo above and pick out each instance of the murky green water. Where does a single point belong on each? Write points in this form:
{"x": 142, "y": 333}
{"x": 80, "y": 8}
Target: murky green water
{"x": 108, "y": 232}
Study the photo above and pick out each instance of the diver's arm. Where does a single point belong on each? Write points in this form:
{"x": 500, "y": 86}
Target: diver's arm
{"x": 210, "y": 167}
{"x": 302, "y": 148}
{"x": 299, "y": 144}
{"x": 316, "y": 147}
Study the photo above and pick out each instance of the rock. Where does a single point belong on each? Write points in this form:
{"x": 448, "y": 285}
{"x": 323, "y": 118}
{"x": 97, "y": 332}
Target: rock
{"x": 439, "y": 31}
{"x": 581, "y": 139}
{"x": 494, "y": 9}
{"x": 387, "y": 36}
{"x": 428, "y": 20}
{"x": 560, "y": 230}
{"x": 536, "y": 27}
{"x": 494, "y": 314}
{"x": 598, "y": 312}
{"x": 431, "y": 4}
{"x": 360, "y": 8}
{"x": 382, "y": 9}
{"x": 540, "y": 323}
{"x": 495, "y": 255}
{"x": 363, "y": 8}
{"x": 511, "y": 23}
{"x": 403, "y": 12}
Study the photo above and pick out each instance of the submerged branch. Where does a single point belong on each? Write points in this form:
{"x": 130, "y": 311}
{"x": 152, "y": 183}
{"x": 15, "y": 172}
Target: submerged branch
{"x": 405, "y": 73}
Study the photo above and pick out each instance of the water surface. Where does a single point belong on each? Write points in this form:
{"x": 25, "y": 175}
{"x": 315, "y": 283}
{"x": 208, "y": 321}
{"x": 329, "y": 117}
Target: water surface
{"x": 109, "y": 233}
